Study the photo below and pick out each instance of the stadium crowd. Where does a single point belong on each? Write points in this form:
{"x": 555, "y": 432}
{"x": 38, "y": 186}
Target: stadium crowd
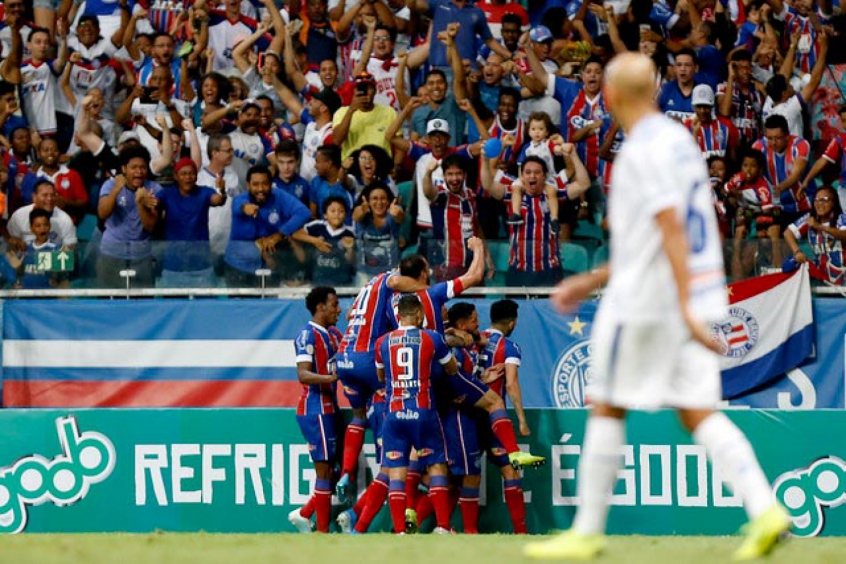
{"x": 317, "y": 141}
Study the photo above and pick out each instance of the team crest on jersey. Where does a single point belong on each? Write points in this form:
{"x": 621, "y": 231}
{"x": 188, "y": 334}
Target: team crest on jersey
{"x": 572, "y": 375}
{"x": 273, "y": 218}
{"x": 738, "y": 333}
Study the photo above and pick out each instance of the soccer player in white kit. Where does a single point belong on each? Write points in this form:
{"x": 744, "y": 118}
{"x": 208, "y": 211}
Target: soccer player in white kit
{"x": 652, "y": 347}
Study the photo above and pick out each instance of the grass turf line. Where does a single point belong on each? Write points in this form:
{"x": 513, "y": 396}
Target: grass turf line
{"x": 372, "y": 549}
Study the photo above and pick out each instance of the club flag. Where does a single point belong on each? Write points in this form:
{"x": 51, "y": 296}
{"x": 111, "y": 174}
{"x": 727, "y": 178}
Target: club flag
{"x": 769, "y": 330}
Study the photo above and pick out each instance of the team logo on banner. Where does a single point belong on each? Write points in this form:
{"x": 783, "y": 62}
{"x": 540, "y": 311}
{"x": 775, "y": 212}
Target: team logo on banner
{"x": 806, "y": 492}
{"x": 572, "y": 375}
{"x": 738, "y": 332}
{"x": 87, "y": 458}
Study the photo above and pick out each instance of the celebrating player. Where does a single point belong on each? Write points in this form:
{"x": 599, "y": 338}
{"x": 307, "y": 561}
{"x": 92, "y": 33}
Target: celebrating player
{"x": 651, "y": 344}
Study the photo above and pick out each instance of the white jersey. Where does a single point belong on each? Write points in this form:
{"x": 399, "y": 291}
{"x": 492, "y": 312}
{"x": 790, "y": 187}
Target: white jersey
{"x": 424, "y": 212}
{"x": 385, "y": 74}
{"x": 313, "y": 138}
{"x": 660, "y": 167}
{"x": 6, "y": 40}
{"x": 220, "y": 217}
{"x": 62, "y": 229}
{"x": 39, "y": 90}
{"x": 791, "y": 110}
{"x": 222, "y": 37}
{"x": 249, "y": 151}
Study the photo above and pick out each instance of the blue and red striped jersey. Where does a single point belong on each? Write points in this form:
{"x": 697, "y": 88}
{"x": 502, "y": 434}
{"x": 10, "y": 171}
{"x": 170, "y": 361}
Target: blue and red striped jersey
{"x": 808, "y": 49}
{"x": 370, "y": 315}
{"x": 716, "y": 137}
{"x": 434, "y": 301}
{"x": 578, "y": 111}
{"x": 408, "y": 356}
{"x": 453, "y": 223}
{"x": 837, "y": 150}
{"x": 317, "y": 345}
{"x": 499, "y": 350}
{"x": 828, "y": 250}
{"x": 780, "y": 165}
{"x": 746, "y": 110}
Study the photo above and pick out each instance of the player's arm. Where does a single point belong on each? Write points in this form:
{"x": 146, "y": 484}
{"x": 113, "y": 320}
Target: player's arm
{"x": 818, "y": 167}
{"x": 306, "y": 375}
{"x": 675, "y": 246}
{"x": 489, "y": 183}
{"x": 573, "y": 290}
{"x": 515, "y": 394}
{"x": 476, "y": 273}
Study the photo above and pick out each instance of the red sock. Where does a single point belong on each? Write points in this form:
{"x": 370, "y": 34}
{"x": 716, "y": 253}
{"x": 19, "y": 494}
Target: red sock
{"x": 424, "y": 508}
{"x": 503, "y": 428}
{"x": 353, "y": 440}
{"x": 307, "y": 510}
{"x": 323, "y": 504}
{"x": 516, "y": 505}
{"x": 375, "y": 494}
{"x": 439, "y": 492}
{"x": 412, "y": 482}
{"x": 396, "y": 502}
{"x": 469, "y": 501}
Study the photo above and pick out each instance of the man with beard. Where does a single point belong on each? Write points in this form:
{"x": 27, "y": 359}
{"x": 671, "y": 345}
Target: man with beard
{"x": 126, "y": 240}
{"x": 62, "y": 230}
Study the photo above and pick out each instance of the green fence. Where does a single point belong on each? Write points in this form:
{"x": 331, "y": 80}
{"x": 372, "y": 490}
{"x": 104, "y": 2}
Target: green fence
{"x": 242, "y": 470}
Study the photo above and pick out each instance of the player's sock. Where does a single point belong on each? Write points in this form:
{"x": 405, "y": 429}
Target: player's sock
{"x": 503, "y": 428}
{"x": 730, "y": 451}
{"x": 597, "y": 472}
{"x": 424, "y": 508}
{"x": 307, "y": 510}
{"x": 353, "y": 441}
{"x": 439, "y": 492}
{"x": 516, "y": 505}
{"x": 323, "y": 504}
{"x": 376, "y": 493}
{"x": 412, "y": 483}
{"x": 469, "y": 501}
{"x": 396, "y": 503}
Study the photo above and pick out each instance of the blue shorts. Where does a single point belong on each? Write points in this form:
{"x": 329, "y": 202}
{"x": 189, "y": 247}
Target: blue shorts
{"x": 463, "y": 450}
{"x": 357, "y": 373}
{"x": 376, "y": 411}
{"x": 321, "y": 433}
{"x": 466, "y": 390}
{"x": 409, "y": 429}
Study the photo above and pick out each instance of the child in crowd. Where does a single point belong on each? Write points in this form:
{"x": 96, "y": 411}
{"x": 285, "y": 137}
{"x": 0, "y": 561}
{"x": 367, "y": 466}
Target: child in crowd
{"x": 31, "y": 274}
{"x": 334, "y": 263}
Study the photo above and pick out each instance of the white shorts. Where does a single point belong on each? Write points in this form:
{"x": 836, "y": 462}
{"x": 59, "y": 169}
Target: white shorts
{"x": 651, "y": 364}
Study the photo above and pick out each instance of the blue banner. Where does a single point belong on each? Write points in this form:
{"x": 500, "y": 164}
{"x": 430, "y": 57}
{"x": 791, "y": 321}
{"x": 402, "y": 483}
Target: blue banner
{"x": 239, "y": 353}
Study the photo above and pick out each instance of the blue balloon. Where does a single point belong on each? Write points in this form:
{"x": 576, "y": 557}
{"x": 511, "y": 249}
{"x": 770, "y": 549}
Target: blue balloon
{"x": 493, "y": 147}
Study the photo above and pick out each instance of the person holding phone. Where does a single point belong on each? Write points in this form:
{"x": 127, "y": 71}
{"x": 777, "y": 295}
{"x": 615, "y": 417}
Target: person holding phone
{"x": 362, "y": 122}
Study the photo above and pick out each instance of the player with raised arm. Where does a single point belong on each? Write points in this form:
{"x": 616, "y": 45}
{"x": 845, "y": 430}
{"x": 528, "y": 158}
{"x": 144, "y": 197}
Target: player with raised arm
{"x": 368, "y": 320}
{"x": 406, "y": 361}
{"x": 651, "y": 342}
{"x": 318, "y": 414}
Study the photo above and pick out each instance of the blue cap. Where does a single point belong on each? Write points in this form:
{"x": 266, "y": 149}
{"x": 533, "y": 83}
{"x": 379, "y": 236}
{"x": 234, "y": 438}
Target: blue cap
{"x": 541, "y": 34}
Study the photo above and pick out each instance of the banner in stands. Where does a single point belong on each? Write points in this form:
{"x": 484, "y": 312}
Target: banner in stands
{"x": 239, "y": 353}
{"x": 243, "y": 470}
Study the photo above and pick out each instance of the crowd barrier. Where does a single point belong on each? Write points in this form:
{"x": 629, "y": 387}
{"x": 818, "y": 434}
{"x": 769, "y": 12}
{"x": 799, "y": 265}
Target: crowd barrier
{"x": 243, "y": 470}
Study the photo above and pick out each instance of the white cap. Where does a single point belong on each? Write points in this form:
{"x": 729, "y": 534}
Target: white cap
{"x": 437, "y": 125}
{"x": 703, "y": 95}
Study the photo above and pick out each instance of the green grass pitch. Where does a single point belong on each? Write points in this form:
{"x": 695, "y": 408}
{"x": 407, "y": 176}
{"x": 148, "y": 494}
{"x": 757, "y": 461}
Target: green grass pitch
{"x": 202, "y": 548}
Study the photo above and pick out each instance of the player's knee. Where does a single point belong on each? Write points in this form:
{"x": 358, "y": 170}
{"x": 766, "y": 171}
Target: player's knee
{"x": 691, "y": 418}
{"x": 491, "y": 401}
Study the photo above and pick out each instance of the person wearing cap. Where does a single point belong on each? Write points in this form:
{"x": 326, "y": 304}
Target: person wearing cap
{"x": 62, "y": 229}
{"x": 250, "y": 148}
{"x": 128, "y": 206}
{"x": 185, "y": 207}
{"x": 716, "y": 135}
{"x": 362, "y": 122}
{"x": 317, "y": 115}
{"x": 788, "y": 97}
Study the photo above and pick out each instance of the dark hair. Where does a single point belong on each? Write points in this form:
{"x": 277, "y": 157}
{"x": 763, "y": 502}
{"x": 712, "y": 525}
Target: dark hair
{"x": 38, "y": 212}
{"x": 331, "y": 152}
{"x": 42, "y": 182}
{"x": 163, "y": 34}
{"x": 392, "y": 31}
{"x": 840, "y": 110}
{"x": 438, "y": 72}
{"x": 757, "y": 156}
{"x": 35, "y": 30}
{"x": 409, "y": 304}
{"x": 837, "y": 209}
{"x": 413, "y": 265}
{"x": 6, "y": 87}
{"x": 224, "y": 87}
{"x": 318, "y": 295}
{"x": 90, "y": 18}
{"x": 333, "y": 200}
{"x": 258, "y": 169}
{"x": 776, "y": 87}
{"x": 593, "y": 59}
{"x": 384, "y": 163}
{"x": 459, "y": 312}
{"x": 776, "y": 121}
{"x": 268, "y": 98}
{"x": 503, "y": 311}
{"x": 538, "y": 160}
{"x": 378, "y": 185}
{"x": 511, "y": 17}
{"x": 288, "y": 147}
{"x": 454, "y": 160}
{"x": 544, "y": 117}
{"x": 741, "y": 55}
{"x": 133, "y": 152}
{"x": 690, "y": 53}
{"x": 508, "y": 91}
